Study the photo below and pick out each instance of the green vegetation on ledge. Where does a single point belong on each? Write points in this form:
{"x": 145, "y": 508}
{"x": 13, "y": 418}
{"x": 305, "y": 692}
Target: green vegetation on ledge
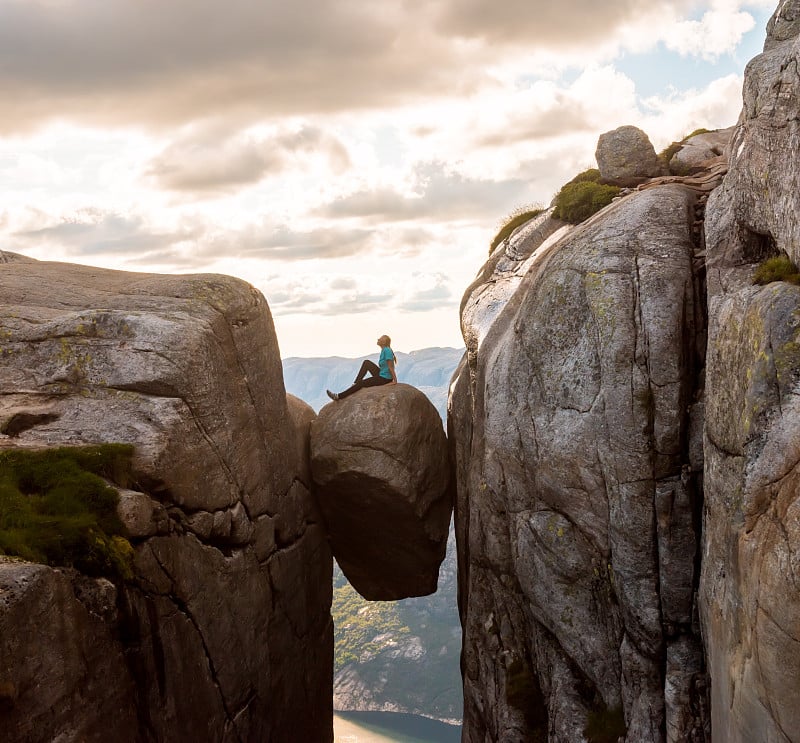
{"x": 358, "y": 622}
{"x": 777, "y": 268}
{"x": 56, "y": 508}
{"x": 515, "y": 219}
{"x": 583, "y": 196}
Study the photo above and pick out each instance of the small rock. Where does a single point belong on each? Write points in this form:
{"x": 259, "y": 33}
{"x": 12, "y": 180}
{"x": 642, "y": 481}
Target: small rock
{"x": 140, "y": 514}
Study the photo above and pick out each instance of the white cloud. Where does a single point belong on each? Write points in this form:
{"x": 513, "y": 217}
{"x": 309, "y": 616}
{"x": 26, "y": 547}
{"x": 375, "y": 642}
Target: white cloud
{"x": 671, "y": 117}
{"x": 338, "y": 154}
{"x": 718, "y": 32}
{"x": 209, "y": 161}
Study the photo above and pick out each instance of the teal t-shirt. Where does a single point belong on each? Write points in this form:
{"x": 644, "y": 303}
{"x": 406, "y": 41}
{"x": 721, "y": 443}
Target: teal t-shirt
{"x": 387, "y": 355}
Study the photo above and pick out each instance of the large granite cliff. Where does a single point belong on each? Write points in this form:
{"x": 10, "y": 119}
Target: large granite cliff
{"x": 576, "y": 511}
{"x": 625, "y": 445}
{"x": 223, "y": 632}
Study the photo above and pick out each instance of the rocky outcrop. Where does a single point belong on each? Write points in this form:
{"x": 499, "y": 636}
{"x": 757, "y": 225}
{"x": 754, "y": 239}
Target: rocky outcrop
{"x": 577, "y": 495}
{"x": 57, "y": 650}
{"x": 751, "y": 556}
{"x": 696, "y": 152}
{"x": 381, "y": 477}
{"x": 625, "y": 157}
{"x": 589, "y": 440}
{"x": 224, "y": 631}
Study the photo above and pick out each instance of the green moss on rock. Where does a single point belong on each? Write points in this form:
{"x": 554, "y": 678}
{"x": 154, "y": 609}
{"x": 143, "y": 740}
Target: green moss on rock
{"x": 777, "y": 268}
{"x": 515, "y": 220}
{"x": 56, "y": 508}
{"x": 583, "y": 196}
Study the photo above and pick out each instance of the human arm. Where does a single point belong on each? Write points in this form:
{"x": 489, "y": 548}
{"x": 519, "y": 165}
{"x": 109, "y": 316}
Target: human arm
{"x": 390, "y": 364}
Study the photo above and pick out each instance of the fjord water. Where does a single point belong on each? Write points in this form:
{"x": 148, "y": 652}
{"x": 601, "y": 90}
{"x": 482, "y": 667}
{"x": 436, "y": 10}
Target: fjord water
{"x": 391, "y": 727}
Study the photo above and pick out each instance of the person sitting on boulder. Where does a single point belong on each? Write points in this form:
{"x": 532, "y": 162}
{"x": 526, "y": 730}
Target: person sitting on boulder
{"x": 381, "y": 373}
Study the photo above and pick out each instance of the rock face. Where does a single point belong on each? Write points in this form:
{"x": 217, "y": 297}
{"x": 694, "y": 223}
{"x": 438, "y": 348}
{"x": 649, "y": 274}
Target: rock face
{"x": 224, "y": 632}
{"x": 380, "y": 469}
{"x": 751, "y": 558}
{"x": 577, "y": 497}
{"x": 625, "y": 156}
{"x": 698, "y": 150}
{"x": 43, "y": 611}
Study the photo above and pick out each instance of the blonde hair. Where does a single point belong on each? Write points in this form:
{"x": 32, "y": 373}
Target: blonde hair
{"x": 388, "y": 344}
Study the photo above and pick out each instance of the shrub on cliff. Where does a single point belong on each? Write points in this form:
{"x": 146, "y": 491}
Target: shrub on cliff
{"x": 55, "y": 508}
{"x": 777, "y": 268}
{"x": 515, "y": 219}
{"x": 583, "y": 196}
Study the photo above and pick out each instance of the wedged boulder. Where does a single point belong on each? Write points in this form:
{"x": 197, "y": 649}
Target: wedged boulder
{"x": 381, "y": 477}
{"x": 576, "y": 497}
{"x": 626, "y": 157}
{"x": 224, "y": 630}
{"x": 751, "y": 559}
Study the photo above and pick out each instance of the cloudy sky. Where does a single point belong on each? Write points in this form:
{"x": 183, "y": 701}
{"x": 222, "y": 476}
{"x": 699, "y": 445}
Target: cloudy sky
{"x": 350, "y": 158}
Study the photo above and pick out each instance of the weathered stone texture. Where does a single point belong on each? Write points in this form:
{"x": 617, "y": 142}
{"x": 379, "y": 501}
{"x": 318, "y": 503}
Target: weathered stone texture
{"x": 57, "y": 652}
{"x": 380, "y": 468}
{"x": 625, "y": 156}
{"x": 698, "y": 151}
{"x": 226, "y": 626}
{"x": 569, "y": 434}
{"x": 751, "y": 555}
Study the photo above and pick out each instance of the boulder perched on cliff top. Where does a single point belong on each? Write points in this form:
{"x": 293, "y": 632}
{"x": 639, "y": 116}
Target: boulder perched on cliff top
{"x": 381, "y": 476}
{"x": 625, "y": 157}
{"x": 224, "y": 631}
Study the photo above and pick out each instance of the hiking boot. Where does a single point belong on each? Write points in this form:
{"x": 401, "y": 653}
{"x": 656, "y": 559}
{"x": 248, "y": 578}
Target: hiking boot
{"x": 332, "y": 395}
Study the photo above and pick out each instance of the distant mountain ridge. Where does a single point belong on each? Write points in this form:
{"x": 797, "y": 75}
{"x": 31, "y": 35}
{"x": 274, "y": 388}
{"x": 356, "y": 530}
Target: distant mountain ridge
{"x": 428, "y": 369}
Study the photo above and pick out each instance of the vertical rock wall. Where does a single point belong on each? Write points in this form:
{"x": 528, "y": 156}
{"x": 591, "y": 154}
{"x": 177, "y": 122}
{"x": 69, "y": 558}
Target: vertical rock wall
{"x": 577, "y": 493}
{"x": 750, "y": 585}
{"x": 225, "y": 629}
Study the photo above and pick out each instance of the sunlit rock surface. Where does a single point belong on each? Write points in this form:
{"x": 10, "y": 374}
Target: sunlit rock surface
{"x": 577, "y": 497}
{"x": 381, "y": 477}
{"x": 625, "y": 156}
{"x": 697, "y": 151}
{"x": 225, "y": 628}
{"x": 750, "y": 585}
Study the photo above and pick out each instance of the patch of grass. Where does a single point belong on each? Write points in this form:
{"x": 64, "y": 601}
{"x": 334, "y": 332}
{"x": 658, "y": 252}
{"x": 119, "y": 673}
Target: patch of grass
{"x": 777, "y": 268}
{"x": 590, "y": 175}
{"x": 578, "y": 200}
{"x": 515, "y": 219}
{"x": 605, "y": 725}
{"x": 56, "y": 509}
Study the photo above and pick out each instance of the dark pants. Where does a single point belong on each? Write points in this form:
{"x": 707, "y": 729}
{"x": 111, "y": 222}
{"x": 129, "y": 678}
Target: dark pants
{"x": 368, "y": 367}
